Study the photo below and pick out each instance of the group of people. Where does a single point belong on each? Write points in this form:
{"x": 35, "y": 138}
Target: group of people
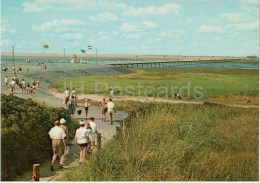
{"x": 85, "y": 137}
{"x": 71, "y": 101}
{"x": 107, "y": 108}
{"x": 14, "y": 83}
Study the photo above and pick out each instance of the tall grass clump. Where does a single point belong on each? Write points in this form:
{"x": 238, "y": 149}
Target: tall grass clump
{"x": 179, "y": 143}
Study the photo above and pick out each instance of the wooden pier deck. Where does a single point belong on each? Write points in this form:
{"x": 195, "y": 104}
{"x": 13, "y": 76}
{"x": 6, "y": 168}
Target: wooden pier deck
{"x": 146, "y": 64}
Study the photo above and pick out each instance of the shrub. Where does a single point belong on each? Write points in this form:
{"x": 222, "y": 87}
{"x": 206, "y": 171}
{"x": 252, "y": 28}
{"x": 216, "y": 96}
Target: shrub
{"x": 25, "y": 139}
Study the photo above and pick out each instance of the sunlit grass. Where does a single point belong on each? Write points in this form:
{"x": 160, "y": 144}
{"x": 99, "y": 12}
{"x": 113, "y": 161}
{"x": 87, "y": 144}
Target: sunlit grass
{"x": 165, "y": 82}
{"x": 180, "y": 143}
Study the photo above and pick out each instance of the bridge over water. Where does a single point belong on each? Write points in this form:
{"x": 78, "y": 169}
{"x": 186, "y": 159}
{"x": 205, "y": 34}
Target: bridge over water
{"x": 146, "y": 64}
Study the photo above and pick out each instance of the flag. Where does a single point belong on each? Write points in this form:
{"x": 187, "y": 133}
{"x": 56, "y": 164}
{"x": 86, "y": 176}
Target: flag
{"x": 44, "y": 45}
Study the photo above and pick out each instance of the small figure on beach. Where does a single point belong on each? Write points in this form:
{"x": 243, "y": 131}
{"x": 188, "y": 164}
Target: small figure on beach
{"x": 111, "y": 93}
{"x": 6, "y": 82}
{"x": 86, "y": 105}
{"x": 14, "y": 72}
{"x": 74, "y": 93}
{"x": 57, "y": 135}
{"x": 72, "y": 105}
{"x": 38, "y": 83}
{"x": 103, "y": 107}
{"x": 28, "y": 88}
{"x": 66, "y": 96}
{"x": 82, "y": 139}
{"x": 34, "y": 86}
{"x": 12, "y": 86}
{"x": 4, "y": 69}
{"x": 92, "y": 135}
{"x": 23, "y": 85}
{"x": 111, "y": 109}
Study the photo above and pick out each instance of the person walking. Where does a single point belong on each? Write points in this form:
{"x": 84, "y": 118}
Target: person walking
{"x": 103, "y": 107}
{"x": 6, "y": 82}
{"x": 111, "y": 109}
{"x": 82, "y": 139}
{"x": 57, "y": 134}
{"x": 86, "y": 105}
{"x": 65, "y": 128}
{"x": 66, "y": 96}
{"x": 12, "y": 86}
{"x": 23, "y": 85}
{"x": 111, "y": 93}
{"x": 72, "y": 106}
{"x": 93, "y": 134}
{"x": 74, "y": 93}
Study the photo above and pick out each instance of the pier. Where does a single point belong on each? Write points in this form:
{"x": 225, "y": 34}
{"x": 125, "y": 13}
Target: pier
{"x": 147, "y": 64}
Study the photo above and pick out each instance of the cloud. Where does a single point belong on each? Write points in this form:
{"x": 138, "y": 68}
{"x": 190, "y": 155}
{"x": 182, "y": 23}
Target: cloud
{"x": 33, "y": 7}
{"x": 36, "y": 6}
{"x": 245, "y": 26}
{"x": 6, "y": 42}
{"x": 231, "y": 28}
{"x": 72, "y": 36}
{"x": 152, "y": 10}
{"x": 59, "y": 25}
{"x": 103, "y": 38}
{"x": 209, "y": 28}
{"x": 106, "y": 16}
{"x": 251, "y": 6}
{"x": 133, "y": 36}
{"x": 186, "y": 21}
{"x": 234, "y": 17}
{"x": 138, "y": 26}
{"x": 176, "y": 34}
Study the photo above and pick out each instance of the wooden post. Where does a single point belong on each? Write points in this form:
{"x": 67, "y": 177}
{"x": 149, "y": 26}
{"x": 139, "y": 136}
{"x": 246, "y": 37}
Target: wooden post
{"x": 98, "y": 141}
{"x": 117, "y": 131}
{"x": 124, "y": 127}
{"x": 36, "y": 172}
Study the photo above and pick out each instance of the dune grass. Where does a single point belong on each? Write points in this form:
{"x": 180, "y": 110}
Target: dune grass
{"x": 179, "y": 143}
{"x": 191, "y": 83}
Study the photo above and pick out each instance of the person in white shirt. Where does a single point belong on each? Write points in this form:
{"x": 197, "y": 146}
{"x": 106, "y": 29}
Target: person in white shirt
{"x": 110, "y": 109}
{"x": 93, "y": 134}
{"x": 82, "y": 138}
{"x": 12, "y": 86}
{"x": 67, "y": 96}
{"x": 57, "y": 134}
{"x": 6, "y": 82}
{"x": 111, "y": 93}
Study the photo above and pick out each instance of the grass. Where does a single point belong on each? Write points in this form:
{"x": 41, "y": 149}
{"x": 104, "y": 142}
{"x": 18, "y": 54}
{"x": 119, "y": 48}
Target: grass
{"x": 191, "y": 83}
{"x": 179, "y": 143}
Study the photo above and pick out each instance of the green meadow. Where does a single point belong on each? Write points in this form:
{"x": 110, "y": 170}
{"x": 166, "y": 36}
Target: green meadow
{"x": 181, "y": 142}
{"x": 191, "y": 83}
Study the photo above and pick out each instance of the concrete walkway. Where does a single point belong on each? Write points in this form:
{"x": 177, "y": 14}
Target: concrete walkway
{"x": 42, "y": 95}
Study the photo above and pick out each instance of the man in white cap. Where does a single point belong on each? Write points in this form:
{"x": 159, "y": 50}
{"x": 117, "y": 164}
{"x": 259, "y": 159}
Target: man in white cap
{"x": 65, "y": 128}
{"x": 57, "y": 135}
{"x": 82, "y": 138}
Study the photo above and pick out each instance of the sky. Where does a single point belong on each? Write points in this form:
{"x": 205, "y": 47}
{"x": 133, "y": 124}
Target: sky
{"x": 147, "y": 27}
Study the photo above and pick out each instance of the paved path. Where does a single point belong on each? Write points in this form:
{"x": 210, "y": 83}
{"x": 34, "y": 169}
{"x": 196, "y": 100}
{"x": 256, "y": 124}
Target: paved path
{"x": 42, "y": 95}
